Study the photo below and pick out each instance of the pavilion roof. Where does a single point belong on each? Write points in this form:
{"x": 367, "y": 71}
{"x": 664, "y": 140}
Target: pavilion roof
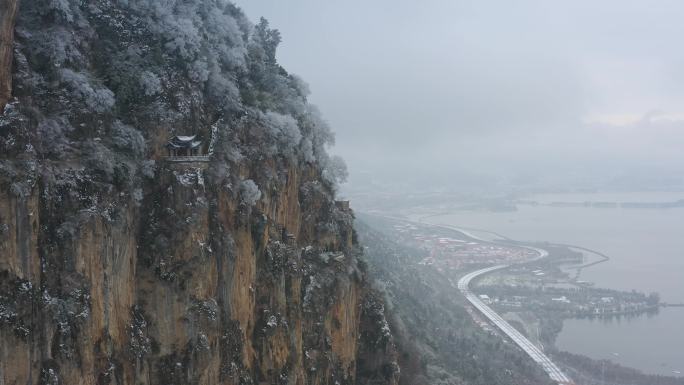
{"x": 183, "y": 142}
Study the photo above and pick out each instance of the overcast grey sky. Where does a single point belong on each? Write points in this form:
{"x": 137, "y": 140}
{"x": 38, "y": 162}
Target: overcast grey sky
{"x": 494, "y": 86}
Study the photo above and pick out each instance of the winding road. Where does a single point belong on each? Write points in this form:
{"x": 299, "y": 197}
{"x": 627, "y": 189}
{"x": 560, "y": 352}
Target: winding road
{"x": 534, "y": 352}
{"x": 526, "y": 345}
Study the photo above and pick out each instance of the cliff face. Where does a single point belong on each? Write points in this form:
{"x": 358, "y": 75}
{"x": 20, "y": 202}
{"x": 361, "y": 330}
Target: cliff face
{"x": 8, "y": 12}
{"x": 119, "y": 266}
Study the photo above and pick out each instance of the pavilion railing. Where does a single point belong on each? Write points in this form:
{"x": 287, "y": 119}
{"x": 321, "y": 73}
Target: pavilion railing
{"x": 187, "y": 159}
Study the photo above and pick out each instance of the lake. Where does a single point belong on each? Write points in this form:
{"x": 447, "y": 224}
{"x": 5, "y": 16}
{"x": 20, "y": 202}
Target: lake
{"x": 646, "y": 247}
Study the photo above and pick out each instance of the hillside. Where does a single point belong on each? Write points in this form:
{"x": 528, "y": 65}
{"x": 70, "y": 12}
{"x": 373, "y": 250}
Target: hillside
{"x": 120, "y": 265}
{"x": 437, "y": 340}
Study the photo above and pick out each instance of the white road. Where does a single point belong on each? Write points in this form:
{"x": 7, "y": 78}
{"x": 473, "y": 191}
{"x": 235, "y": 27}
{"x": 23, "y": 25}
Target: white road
{"x": 534, "y": 352}
{"x": 537, "y": 355}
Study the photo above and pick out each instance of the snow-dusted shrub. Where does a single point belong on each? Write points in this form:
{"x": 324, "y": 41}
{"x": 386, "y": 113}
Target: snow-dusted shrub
{"x": 285, "y": 130}
{"x": 99, "y": 159}
{"x": 199, "y": 71}
{"x": 335, "y": 170}
{"x": 150, "y": 83}
{"x": 249, "y": 192}
{"x": 59, "y": 8}
{"x": 219, "y": 172}
{"x": 19, "y": 190}
{"x": 317, "y": 135}
{"x": 148, "y": 168}
{"x": 300, "y": 85}
{"x": 137, "y": 196}
{"x": 58, "y": 45}
{"x": 127, "y": 139}
{"x": 306, "y": 149}
{"x": 222, "y": 90}
{"x": 97, "y": 98}
{"x": 52, "y": 136}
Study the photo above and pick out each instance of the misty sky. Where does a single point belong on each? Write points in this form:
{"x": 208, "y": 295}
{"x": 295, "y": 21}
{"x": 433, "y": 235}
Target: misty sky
{"x": 505, "y": 87}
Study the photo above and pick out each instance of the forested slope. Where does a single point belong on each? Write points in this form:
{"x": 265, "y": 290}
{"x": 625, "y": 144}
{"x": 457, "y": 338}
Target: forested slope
{"x": 437, "y": 340}
{"x": 121, "y": 266}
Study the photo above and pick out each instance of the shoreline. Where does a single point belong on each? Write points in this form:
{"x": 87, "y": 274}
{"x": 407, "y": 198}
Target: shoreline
{"x": 504, "y": 240}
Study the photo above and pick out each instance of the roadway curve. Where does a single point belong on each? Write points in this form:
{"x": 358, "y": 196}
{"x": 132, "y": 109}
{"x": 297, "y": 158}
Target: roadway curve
{"x": 534, "y": 352}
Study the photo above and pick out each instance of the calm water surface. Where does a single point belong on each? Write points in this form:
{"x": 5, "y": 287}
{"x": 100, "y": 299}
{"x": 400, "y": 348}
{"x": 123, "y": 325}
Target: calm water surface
{"x": 646, "y": 247}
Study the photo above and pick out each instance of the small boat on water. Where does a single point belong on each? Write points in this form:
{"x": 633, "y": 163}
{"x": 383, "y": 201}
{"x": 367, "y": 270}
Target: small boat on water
{"x": 676, "y": 372}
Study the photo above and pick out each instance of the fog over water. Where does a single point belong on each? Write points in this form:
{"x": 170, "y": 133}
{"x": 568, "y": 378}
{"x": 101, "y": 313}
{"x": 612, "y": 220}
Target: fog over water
{"x": 528, "y": 92}
{"x": 645, "y": 245}
{"x": 647, "y": 254}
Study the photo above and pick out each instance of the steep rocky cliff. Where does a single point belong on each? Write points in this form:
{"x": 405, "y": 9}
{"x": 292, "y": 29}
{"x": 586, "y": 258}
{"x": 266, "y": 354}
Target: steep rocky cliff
{"x": 8, "y": 13}
{"x": 119, "y": 265}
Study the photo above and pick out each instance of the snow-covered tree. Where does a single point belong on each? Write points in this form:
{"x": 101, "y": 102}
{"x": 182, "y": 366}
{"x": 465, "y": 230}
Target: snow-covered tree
{"x": 249, "y": 192}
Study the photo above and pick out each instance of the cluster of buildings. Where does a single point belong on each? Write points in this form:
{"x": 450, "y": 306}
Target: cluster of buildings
{"x": 452, "y": 253}
{"x": 579, "y": 303}
{"x": 514, "y": 301}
